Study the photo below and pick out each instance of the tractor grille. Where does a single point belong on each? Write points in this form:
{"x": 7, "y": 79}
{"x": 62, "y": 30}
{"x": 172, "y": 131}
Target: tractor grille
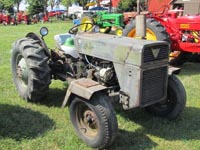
{"x": 154, "y": 84}
{"x": 155, "y": 53}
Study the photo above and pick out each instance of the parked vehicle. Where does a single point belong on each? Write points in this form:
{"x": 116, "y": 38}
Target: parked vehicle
{"x": 183, "y": 32}
{"x": 97, "y": 66}
{"x": 105, "y": 21}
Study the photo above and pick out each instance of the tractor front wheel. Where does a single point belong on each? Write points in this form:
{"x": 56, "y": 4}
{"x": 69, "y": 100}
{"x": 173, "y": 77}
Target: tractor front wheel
{"x": 30, "y": 70}
{"x": 175, "y": 102}
{"x": 94, "y": 120}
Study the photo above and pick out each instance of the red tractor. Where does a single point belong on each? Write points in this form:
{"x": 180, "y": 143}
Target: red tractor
{"x": 51, "y": 14}
{"x": 166, "y": 24}
{"x": 4, "y": 19}
{"x": 22, "y": 17}
{"x": 1, "y": 17}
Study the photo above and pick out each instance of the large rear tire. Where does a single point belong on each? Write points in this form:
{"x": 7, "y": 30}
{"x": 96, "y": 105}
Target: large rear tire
{"x": 173, "y": 106}
{"x": 30, "y": 70}
{"x": 94, "y": 120}
{"x": 87, "y": 22}
{"x": 90, "y": 19}
{"x": 154, "y": 30}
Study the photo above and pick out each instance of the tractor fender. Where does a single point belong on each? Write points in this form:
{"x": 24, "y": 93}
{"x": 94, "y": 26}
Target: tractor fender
{"x": 173, "y": 70}
{"x": 84, "y": 88}
{"x": 42, "y": 42}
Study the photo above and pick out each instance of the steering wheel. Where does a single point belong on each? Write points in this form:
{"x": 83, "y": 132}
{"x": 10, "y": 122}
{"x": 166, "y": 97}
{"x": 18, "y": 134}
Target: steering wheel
{"x": 87, "y": 27}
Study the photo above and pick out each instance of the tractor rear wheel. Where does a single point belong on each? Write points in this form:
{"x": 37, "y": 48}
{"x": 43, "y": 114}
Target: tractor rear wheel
{"x": 175, "y": 102}
{"x": 154, "y": 30}
{"x": 94, "y": 120}
{"x": 87, "y": 22}
{"x": 30, "y": 70}
{"x": 90, "y": 19}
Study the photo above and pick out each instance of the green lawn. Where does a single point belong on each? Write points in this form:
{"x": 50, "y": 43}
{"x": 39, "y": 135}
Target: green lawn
{"x": 46, "y": 126}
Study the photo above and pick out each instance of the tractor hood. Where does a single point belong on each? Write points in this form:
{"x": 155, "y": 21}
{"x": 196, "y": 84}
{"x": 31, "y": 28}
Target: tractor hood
{"x": 123, "y": 50}
{"x": 188, "y": 22}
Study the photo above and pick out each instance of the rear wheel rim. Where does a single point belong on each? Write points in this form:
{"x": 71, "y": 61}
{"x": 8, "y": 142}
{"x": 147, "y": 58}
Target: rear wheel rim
{"x": 150, "y": 35}
{"x": 87, "y": 24}
{"x": 22, "y": 71}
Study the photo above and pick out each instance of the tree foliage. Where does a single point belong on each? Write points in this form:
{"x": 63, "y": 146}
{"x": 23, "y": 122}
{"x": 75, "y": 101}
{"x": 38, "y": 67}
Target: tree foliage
{"x": 67, "y": 3}
{"x": 130, "y": 5}
{"x": 83, "y": 2}
{"x": 37, "y": 6}
{"x": 126, "y": 5}
{"x": 17, "y": 3}
{"x": 53, "y": 3}
{"x": 9, "y": 4}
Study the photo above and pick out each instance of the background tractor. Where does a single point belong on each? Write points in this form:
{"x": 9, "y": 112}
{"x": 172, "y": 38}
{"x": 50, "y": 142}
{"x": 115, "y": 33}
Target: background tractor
{"x": 163, "y": 23}
{"x": 97, "y": 66}
{"x": 105, "y": 21}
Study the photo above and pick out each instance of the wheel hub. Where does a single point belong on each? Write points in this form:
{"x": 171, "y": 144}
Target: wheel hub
{"x": 88, "y": 123}
{"x": 90, "y": 119}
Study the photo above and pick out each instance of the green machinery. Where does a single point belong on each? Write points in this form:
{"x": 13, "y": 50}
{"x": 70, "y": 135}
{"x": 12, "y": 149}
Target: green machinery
{"x": 106, "y": 21}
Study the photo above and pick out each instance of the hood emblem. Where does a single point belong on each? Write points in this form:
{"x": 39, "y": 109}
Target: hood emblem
{"x": 155, "y": 52}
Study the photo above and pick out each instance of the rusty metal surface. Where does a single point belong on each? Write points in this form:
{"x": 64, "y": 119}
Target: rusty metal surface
{"x": 83, "y": 87}
{"x": 87, "y": 83}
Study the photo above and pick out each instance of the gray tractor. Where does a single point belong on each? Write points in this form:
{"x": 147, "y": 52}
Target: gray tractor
{"x": 97, "y": 66}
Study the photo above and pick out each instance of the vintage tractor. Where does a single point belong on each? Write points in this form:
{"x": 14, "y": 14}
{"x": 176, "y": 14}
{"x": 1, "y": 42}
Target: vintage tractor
{"x": 23, "y": 17}
{"x": 183, "y": 32}
{"x": 97, "y": 66}
{"x": 5, "y": 19}
{"x": 105, "y": 21}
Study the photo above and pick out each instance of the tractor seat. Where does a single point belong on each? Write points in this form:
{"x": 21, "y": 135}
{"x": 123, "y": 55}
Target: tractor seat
{"x": 65, "y": 42}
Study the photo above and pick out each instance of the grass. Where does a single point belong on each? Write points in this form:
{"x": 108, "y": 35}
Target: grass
{"x": 46, "y": 126}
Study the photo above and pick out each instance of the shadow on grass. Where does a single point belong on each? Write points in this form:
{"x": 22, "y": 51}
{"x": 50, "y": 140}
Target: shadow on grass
{"x": 127, "y": 140}
{"x": 190, "y": 69}
{"x": 185, "y": 127}
{"x": 21, "y": 123}
{"x": 54, "y": 98}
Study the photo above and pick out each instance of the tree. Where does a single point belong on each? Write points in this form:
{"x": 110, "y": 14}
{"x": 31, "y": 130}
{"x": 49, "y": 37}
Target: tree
{"x": 37, "y": 6}
{"x": 1, "y": 6}
{"x": 67, "y": 3}
{"x": 130, "y": 5}
{"x": 9, "y": 4}
{"x": 17, "y": 3}
{"x": 126, "y": 5}
{"x": 6, "y": 3}
{"x": 83, "y": 2}
{"x": 52, "y": 3}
